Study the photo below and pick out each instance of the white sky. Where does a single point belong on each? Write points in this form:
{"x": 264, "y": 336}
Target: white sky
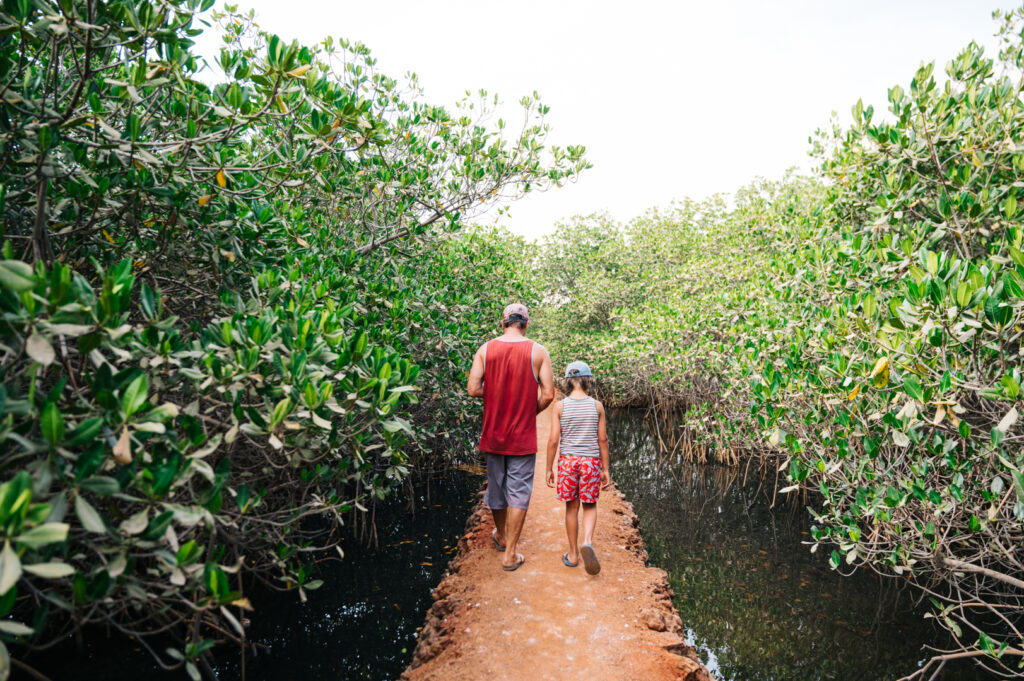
{"x": 671, "y": 99}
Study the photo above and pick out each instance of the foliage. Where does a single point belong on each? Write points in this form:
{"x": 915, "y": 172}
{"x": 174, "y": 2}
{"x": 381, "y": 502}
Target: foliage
{"x": 662, "y": 307}
{"x": 220, "y": 304}
{"x": 909, "y": 297}
{"x": 864, "y": 328}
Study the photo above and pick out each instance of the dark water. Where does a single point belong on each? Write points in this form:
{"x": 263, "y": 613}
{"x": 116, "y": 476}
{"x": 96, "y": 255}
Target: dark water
{"x": 758, "y": 605}
{"x": 361, "y": 625}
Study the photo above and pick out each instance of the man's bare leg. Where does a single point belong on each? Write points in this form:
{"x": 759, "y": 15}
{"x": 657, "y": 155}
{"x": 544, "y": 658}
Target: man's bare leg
{"x": 499, "y": 523}
{"x": 514, "y": 519}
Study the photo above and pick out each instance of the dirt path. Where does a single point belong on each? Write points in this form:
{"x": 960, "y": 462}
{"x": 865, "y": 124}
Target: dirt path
{"x": 549, "y": 622}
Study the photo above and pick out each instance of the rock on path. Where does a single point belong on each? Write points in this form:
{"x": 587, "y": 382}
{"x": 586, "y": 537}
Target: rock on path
{"x": 547, "y": 622}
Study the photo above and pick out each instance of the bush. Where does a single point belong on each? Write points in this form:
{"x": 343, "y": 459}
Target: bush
{"x": 905, "y": 362}
{"x": 221, "y": 303}
{"x": 863, "y": 327}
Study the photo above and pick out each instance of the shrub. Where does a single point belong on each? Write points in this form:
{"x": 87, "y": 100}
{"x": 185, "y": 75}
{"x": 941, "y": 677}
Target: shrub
{"x": 221, "y": 302}
{"x": 864, "y": 328}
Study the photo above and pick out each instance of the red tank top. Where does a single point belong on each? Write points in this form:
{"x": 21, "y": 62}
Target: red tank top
{"x": 510, "y": 399}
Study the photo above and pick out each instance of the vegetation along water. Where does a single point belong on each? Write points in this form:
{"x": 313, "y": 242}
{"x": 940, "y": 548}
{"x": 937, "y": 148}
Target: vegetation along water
{"x": 238, "y": 304}
{"x": 757, "y": 605}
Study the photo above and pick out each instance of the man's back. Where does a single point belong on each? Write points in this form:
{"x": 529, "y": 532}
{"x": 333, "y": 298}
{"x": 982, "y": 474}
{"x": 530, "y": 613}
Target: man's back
{"x": 510, "y": 397}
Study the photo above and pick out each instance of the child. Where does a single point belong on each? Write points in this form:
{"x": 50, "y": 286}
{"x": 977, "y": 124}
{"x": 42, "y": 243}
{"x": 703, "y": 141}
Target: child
{"x": 578, "y": 434}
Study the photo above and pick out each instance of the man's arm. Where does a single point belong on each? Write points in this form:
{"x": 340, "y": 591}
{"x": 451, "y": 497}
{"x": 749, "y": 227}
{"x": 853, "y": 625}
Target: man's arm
{"x": 475, "y": 388}
{"x": 553, "y": 437}
{"x": 547, "y": 381}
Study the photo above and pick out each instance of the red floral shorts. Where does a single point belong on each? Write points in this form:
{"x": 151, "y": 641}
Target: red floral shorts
{"x": 579, "y": 477}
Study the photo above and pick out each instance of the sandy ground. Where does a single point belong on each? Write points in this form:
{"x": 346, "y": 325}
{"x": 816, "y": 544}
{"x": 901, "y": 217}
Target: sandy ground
{"x": 549, "y": 622}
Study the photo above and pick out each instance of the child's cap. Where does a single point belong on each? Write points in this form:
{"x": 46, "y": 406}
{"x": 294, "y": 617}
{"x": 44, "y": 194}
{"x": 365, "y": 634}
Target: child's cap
{"x": 577, "y": 369}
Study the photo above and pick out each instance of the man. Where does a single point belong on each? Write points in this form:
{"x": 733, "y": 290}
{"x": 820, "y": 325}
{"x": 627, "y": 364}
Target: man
{"x": 513, "y": 376}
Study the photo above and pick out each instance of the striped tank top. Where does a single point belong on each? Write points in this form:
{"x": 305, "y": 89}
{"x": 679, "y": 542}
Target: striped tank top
{"x": 579, "y": 422}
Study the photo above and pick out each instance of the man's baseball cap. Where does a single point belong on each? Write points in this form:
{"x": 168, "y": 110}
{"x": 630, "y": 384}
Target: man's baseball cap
{"x": 577, "y": 369}
{"x": 515, "y": 310}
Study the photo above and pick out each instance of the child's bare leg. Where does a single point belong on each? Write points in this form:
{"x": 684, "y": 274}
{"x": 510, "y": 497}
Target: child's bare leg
{"x": 572, "y": 528}
{"x": 589, "y": 522}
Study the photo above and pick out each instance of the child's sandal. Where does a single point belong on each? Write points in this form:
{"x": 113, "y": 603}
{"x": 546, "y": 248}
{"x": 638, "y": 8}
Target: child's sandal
{"x": 565, "y": 559}
{"x": 590, "y": 561}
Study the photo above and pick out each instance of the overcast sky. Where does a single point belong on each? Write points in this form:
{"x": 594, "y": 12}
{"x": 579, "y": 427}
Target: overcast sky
{"x": 672, "y": 98}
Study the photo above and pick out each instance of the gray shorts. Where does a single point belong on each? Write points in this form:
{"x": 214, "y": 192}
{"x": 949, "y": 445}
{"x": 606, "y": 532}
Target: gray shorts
{"x": 509, "y": 481}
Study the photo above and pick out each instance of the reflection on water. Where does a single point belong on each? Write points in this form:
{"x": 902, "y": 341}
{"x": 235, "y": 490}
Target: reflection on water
{"x": 758, "y": 605}
{"x": 360, "y": 625}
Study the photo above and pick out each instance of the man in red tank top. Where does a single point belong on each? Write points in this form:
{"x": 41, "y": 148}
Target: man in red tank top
{"x": 513, "y": 376}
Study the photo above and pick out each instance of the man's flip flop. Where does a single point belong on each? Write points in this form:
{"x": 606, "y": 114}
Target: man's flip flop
{"x": 565, "y": 559}
{"x": 494, "y": 538}
{"x": 590, "y": 562}
{"x": 516, "y": 565}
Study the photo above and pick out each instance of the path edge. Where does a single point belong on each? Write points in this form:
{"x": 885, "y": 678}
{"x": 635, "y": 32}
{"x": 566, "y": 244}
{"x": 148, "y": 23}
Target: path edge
{"x": 436, "y": 635}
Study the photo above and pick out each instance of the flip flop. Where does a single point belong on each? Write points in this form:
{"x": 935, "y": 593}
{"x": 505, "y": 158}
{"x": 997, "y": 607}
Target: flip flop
{"x": 494, "y": 538}
{"x": 590, "y": 561}
{"x": 565, "y": 559}
{"x": 516, "y": 565}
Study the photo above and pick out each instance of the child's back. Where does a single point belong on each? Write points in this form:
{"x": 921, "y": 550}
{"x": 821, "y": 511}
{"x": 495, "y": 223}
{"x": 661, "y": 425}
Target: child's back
{"x": 579, "y": 421}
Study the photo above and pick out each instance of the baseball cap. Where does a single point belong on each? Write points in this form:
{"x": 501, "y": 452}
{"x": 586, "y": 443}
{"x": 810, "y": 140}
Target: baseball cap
{"x": 513, "y": 310}
{"x": 577, "y": 369}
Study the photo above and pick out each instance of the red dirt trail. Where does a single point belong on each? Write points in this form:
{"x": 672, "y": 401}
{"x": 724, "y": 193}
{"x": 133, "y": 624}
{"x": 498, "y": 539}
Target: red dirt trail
{"x": 547, "y": 622}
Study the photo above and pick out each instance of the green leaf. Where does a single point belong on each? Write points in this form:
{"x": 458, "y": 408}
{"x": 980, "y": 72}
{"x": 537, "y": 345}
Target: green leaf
{"x": 1016, "y": 255}
{"x": 16, "y": 275}
{"x": 52, "y": 423}
{"x": 10, "y": 568}
{"x": 135, "y": 395}
{"x": 136, "y": 523}
{"x": 5, "y": 662}
{"x": 158, "y": 526}
{"x": 101, "y": 485}
{"x": 912, "y": 386}
{"x": 1013, "y": 284}
{"x": 53, "y": 570}
{"x": 149, "y": 299}
{"x": 997, "y": 485}
{"x": 15, "y": 628}
{"x": 188, "y": 553}
{"x": 869, "y": 306}
{"x": 41, "y": 535}
{"x": 85, "y": 432}
{"x": 243, "y": 497}
{"x": 167, "y": 410}
{"x": 89, "y": 516}
{"x": 39, "y": 348}
{"x": 986, "y": 643}
{"x": 280, "y": 412}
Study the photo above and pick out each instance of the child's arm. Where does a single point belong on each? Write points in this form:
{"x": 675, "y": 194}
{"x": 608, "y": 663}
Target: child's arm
{"x": 602, "y": 440}
{"x": 556, "y": 434}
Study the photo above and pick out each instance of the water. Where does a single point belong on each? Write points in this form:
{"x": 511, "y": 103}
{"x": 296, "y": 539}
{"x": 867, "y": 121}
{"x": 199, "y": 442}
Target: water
{"x": 361, "y": 625}
{"x": 757, "y": 604}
